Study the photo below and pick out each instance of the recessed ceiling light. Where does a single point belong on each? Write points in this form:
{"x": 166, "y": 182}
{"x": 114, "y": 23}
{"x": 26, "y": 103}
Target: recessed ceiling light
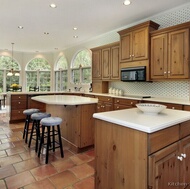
{"x": 56, "y": 48}
{"x": 127, "y": 2}
{"x": 75, "y": 36}
{"x": 20, "y": 27}
{"x": 53, "y": 5}
{"x": 46, "y": 33}
{"x": 75, "y": 28}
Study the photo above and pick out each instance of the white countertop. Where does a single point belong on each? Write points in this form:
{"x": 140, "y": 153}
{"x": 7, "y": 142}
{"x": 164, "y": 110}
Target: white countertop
{"x": 149, "y": 123}
{"x": 65, "y": 99}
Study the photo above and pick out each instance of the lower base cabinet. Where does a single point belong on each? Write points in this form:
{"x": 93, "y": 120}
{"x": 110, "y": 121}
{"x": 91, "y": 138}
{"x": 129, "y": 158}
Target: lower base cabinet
{"x": 127, "y": 158}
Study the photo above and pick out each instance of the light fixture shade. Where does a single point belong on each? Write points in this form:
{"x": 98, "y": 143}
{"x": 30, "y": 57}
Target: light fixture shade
{"x": 127, "y": 2}
{"x": 17, "y": 74}
{"x": 9, "y": 74}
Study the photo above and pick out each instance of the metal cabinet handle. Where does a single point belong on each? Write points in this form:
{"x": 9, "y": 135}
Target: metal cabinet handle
{"x": 131, "y": 102}
{"x": 183, "y": 155}
{"x": 173, "y": 108}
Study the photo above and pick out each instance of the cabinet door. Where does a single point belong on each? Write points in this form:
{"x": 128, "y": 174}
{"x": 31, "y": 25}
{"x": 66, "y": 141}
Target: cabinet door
{"x": 159, "y": 57}
{"x": 178, "y": 63}
{"x": 115, "y": 68}
{"x": 126, "y": 48}
{"x": 185, "y": 163}
{"x": 96, "y": 64}
{"x": 106, "y": 64}
{"x": 164, "y": 168}
{"x": 140, "y": 43}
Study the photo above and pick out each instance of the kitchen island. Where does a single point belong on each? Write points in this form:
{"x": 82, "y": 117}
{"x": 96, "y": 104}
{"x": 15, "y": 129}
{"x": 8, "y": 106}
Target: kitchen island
{"x": 77, "y": 128}
{"x": 140, "y": 151}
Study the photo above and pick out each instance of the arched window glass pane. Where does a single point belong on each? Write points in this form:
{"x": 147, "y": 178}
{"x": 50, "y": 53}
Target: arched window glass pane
{"x": 62, "y": 63}
{"x": 61, "y": 74}
{"x": 6, "y": 63}
{"x": 38, "y": 64}
{"x": 81, "y": 68}
{"x": 83, "y": 59}
{"x": 38, "y": 75}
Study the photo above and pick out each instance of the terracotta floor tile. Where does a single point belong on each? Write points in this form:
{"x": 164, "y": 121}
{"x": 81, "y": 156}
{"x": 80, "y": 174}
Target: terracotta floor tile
{"x": 3, "y": 153}
{"x": 7, "y": 171}
{"x": 3, "y": 136}
{"x": 10, "y": 160}
{"x": 6, "y": 146}
{"x": 81, "y": 158}
{"x": 44, "y": 184}
{"x": 82, "y": 171}
{"x": 92, "y": 163}
{"x": 2, "y": 184}
{"x": 62, "y": 165}
{"x": 28, "y": 155}
{"x": 19, "y": 180}
{"x": 26, "y": 165}
{"x": 43, "y": 171}
{"x": 10, "y": 139}
{"x": 87, "y": 183}
{"x": 17, "y": 150}
{"x": 63, "y": 179}
{"x": 90, "y": 152}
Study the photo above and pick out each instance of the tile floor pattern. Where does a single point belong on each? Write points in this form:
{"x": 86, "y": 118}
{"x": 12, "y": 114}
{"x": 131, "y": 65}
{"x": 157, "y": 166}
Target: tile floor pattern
{"x": 21, "y": 168}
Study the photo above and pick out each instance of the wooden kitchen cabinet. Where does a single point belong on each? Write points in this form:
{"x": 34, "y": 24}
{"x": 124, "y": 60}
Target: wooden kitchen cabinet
{"x": 169, "y": 167}
{"x": 104, "y": 104}
{"x": 135, "y": 45}
{"x": 18, "y": 103}
{"x": 110, "y": 62}
{"x": 158, "y": 160}
{"x": 96, "y": 64}
{"x": 35, "y": 104}
{"x": 120, "y": 103}
{"x": 170, "y": 53}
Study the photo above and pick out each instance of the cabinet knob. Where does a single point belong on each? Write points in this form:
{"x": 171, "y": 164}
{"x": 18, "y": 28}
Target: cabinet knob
{"x": 180, "y": 158}
{"x": 19, "y": 97}
{"x": 173, "y": 108}
{"x": 183, "y": 155}
{"x": 18, "y": 102}
{"x": 131, "y": 103}
{"x": 169, "y": 72}
{"x": 164, "y": 72}
{"x": 117, "y": 101}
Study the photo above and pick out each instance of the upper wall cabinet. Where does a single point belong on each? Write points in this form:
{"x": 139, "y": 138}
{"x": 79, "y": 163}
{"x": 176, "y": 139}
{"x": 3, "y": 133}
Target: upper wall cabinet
{"x": 96, "y": 64}
{"x": 105, "y": 62}
{"x": 170, "y": 52}
{"x": 134, "y": 45}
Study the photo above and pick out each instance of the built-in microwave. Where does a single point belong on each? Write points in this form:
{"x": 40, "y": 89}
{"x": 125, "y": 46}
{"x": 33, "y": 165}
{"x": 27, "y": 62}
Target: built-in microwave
{"x": 133, "y": 74}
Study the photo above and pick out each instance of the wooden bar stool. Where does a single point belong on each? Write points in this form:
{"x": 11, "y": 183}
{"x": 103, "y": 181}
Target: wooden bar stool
{"x": 28, "y": 113}
{"x": 35, "y": 131}
{"x": 50, "y": 123}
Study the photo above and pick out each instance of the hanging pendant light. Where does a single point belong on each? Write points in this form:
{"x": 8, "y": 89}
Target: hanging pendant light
{"x": 11, "y": 72}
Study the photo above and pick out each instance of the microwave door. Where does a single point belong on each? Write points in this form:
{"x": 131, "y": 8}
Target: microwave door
{"x": 133, "y": 76}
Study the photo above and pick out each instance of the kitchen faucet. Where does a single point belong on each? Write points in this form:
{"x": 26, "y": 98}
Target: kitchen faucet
{"x": 78, "y": 88}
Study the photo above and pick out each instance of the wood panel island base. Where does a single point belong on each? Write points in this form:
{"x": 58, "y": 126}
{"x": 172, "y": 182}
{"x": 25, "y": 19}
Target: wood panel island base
{"x": 134, "y": 150}
{"x": 77, "y": 128}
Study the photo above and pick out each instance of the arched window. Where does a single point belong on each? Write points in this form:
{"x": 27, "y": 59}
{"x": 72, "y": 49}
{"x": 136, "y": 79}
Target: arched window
{"x": 8, "y": 64}
{"x": 81, "y": 67}
{"x": 61, "y": 74}
{"x": 38, "y": 75}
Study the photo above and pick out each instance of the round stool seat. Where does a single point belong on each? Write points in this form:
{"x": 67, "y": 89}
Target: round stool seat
{"x": 30, "y": 111}
{"x": 40, "y": 115}
{"x": 49, "y": 121}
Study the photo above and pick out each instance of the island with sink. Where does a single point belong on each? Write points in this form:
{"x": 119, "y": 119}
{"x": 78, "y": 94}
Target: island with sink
{"x": 77, "y": 128}
{"x": 140, "y": 151}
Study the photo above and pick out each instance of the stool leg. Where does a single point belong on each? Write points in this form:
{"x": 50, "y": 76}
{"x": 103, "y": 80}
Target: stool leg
{"x": 53, "y": 133}
{"x": 48, "y": 144}
{"x": 31, "y": 134}
{"x": 60, "y": 141}
{"x": 37, "y": 134}
{"x": 27, "y": 128}
{"x": 41, "y": 141}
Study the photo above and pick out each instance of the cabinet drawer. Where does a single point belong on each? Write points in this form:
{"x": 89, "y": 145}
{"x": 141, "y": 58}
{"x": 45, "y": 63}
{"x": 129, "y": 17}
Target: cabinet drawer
{"x": 121, "y": 107}
{"x": 19, "y": 97}
{"x": 20, "y": 104}
{"x": 105, "y": 99}
{"x": 163, "y": 138}
{"x": 184, "y": 129}
{"x": 122, "y": 101}
{"x": 17, "y": 114}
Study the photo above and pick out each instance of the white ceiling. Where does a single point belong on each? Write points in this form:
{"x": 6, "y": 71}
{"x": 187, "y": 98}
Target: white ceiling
{"x": 91, "y": 17}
